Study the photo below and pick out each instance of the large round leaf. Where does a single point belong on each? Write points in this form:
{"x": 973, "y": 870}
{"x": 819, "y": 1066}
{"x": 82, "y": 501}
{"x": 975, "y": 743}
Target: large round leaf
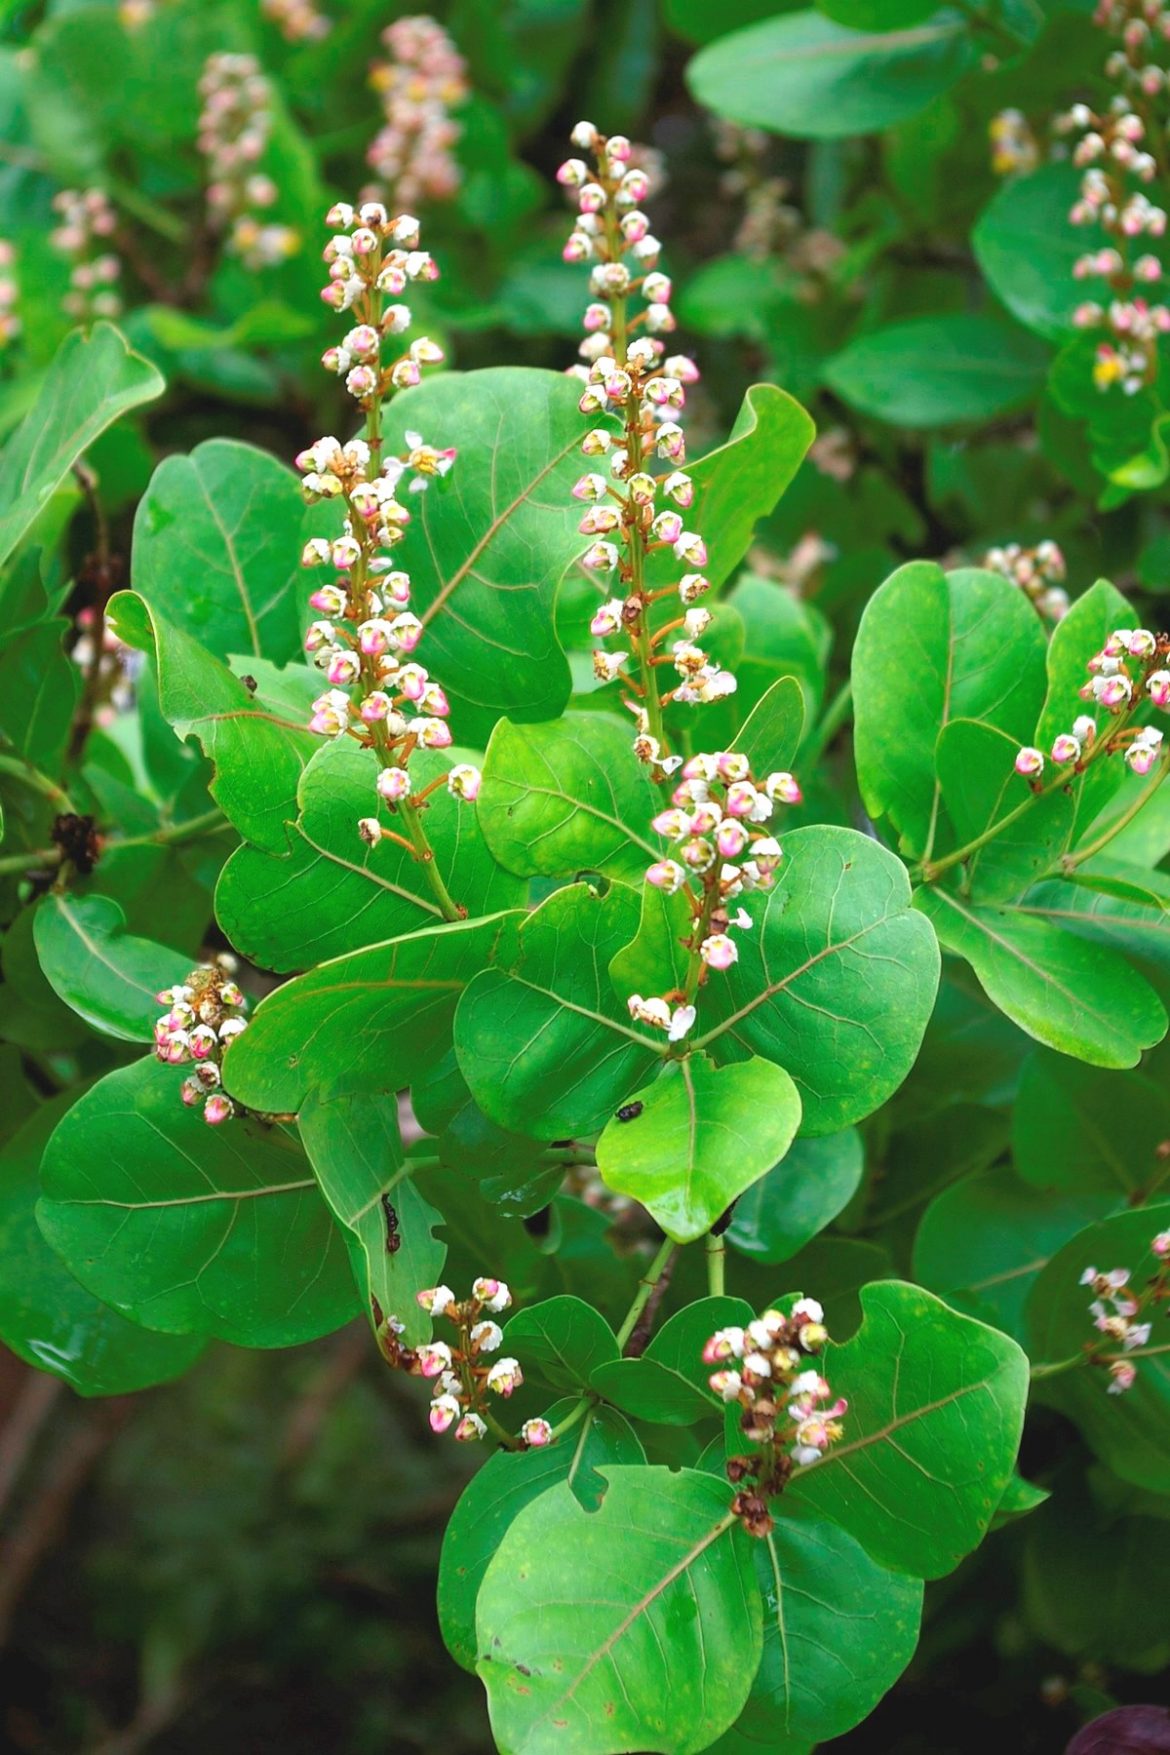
{"x": 109, "y": 977}
{"x": 939, "y": 371}
{"x": 1026, "y": 248}
{"x": 798, "y": 1197}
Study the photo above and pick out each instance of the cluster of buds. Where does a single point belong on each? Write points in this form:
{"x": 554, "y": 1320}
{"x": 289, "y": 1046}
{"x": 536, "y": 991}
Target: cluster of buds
{"x": 88, "y": 222}
{"x": 9, "y": 293}
{"x": 204, "y": 1014}
{"x": 1014, "y": 152}
{"x": 1131, "y": 669}
{"x": 1039, "y": 572}
{"x": 788, "y": 1410}
{"x": 423, "y": 80}
{"x": 367, "y": 636}
{"x": 463, "y": 1374}
{"x": 720, "y": 826}
{"x": 299, "y": 21}
{"x": 770, "y": 225}
{"x": 1121, "y": 1314}
{"x": 234, "y": 125}
{"x": 637, "y": 509}
{"x": 1114, "y": 154}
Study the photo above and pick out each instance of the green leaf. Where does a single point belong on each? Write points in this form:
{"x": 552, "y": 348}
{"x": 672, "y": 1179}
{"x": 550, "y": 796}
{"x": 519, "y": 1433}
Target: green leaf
{"x": 1027, "y": 249}
{"x": 802, "y": 1194}
{"x": 976, "y": 650}
{"x": 805, "y": 76}
{"x": 567, "y": 797}
{"x": 562, "y": 1340}
{"x": 703, "y": 1134}
{"x": 94, "y": 379}
{"x": 1126, "y": 907}
{"x": 376, "y": 1017}
{"x": 217, "y": 549}
{"x": 669, "y": 1384}
{"x": 329, "y": 892}
{"x": 980, "y": 786}
{"x": 259, "y": 751}
{"x": 740, "y": 482}
{"x": 836, "y": 983}
{"x": 771, "y": 734}
{"x": 1068, "y": 1551}
{"x": 938, "y": 371}
{"x": 544, "y": 1044}
{"x": 355, "y": 1148}
{"x": 494, "y": 1498}
{"x": 838, "y": 1632}
{"x": 1128, "y": 1432}
{"x": 486, "y": 549}
{"x": 936, "y": 1406}
{"x": 91, "y": 962}
{"x": 191, "y": 1229}
{"x": 649, "y": 1639}
{"x": 46, "y": 1316}
{"x": 1084, "y": 1131}
{"x": 39, "y": 690}
{"x": 1071, "y": 995}
{"x": 983, "y": 1241}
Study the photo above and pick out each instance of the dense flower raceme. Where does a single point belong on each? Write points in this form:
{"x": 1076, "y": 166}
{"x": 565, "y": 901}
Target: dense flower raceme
{"x": 87, "y": 223}
{"x": 788, "y": 1408}
{"x": 299, "y": 21}
{"x": 204, "y": 1014}
{"x": 1121, "y": 1313}
{"x": 421, "y": 82}
{"x": 9, "y": 293}
{"x": 1117, "y": 153}
{"x": 638, "y": 505}
{"x": 1039, "y": 572}
{"x": 1131, "y": 669}
{"x": 464, "y": 1373}
{"x": 367, "y": 634}
{"x": 721, "y": 831}
{"x": 234, "y": 127}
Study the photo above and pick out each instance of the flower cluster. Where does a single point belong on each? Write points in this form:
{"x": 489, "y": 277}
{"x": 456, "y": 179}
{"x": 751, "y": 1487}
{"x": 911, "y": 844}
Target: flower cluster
{"x": 1039, "y": 572}
{"x": 1121, "y": 1314}
{"x": 771, "y": 226}
{"x": 299, "y": 21}
{"x": 421, "y": 83}
{"x": 720, "y": 826}
{"x": 204, "y": 1014}
{"x": 1132, "y": 667}
{"x": 633, "y": 511}
{"x": 788, "y": 1410}
{"x": 234, "y": 125}
{"x": 87, "y": 223}
{"x": 368, "y": 633}
{"x": 9, "y": 292}
{"x": 1114, "y": 153}
{"x": 464, "y": 1374}
{"x": 1014, "y": 152}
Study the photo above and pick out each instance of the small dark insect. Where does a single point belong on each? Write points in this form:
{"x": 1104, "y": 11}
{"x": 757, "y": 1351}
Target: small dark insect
{"x": 393, "y": 1240}
{"x": 249, "y": 683}
{"x": 630, "y": 1111}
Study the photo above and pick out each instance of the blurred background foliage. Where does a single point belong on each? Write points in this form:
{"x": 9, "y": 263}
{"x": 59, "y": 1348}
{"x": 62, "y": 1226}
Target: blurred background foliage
{"x": 245, "y": 1559}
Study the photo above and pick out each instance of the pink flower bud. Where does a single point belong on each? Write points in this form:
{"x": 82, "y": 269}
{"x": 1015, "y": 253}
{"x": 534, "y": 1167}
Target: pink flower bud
{"x": 470, "y": 1428}
{"x": 444, "y": 1411}
{"x": 536, "y": 1434}
{"x": 666, "y": 875}
{"x": 217, "y": 1109}
{"x": 491, "y": 1293}
{"x": 1158, "y": 688}
{"x": 1066, "y": 748}
{"x": 435, "y": 1300}
{"x": 434, "y": 1358}
{"x": 393, "y": 784}
{"x": 1029, "y": 761}
{"x": 718, "y": 951}
{"x": 731, "y": 839}
{"x": 464, "y": 782}
{"x": 505, "y": 1377}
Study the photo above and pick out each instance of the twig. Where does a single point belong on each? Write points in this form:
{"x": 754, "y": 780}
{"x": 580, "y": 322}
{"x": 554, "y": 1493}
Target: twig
{"x": 32, "y": 1407}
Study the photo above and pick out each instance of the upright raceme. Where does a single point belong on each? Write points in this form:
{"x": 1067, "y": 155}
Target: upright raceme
{"x": 422, "y": 80}
{"x": 234, "y": 126}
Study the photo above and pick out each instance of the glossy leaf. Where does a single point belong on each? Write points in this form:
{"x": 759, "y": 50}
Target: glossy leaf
{"x": 1075, "y": 639}
{"x": 805, "y": 76}
{"x": 1071, "y": 995}
{"x": 109, "y": 977}
{"x": 649, "y": 1640}
{"x": 46, "y": 1316}
{"x": 329, "y": 892}
{"x": 980, "y": 787}
{"x": 377, "y": 1016}
{"x": 669, "y": 1384}
{"x": 217, "y": 549}
{"x": 798, "y": 1197}
{"x": 1027, "y": 250}
{"x": 567, "y": 797}
{"x": 1084, "y": 1131}
{"x": 494, "y": 1498}
{"x": 486, "y": 549}
{"x": 1122, "y": 906}
{"x": 561, "y": 1340}
{"x": 355, "y": 1149}
{"x": 939, "y": 371}
{"x": 836, "y": 982}
{"x": 541, "y": 1038}
{"x": 936, "y": 1405}
{"x": 191, "y": 1229}
{"x": 702, "y": 1135}
{"x": 94, "y": 379}
{"x": 977, "y": 650}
